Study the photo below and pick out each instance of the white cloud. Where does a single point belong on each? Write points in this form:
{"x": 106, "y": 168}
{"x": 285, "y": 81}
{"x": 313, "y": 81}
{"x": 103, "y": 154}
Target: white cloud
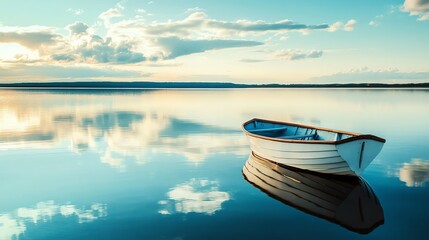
{"x": 194, "y": 9}
{"x": 14, "y": 52}
{"x": 243, "y": 26}
{"x": 184, "y": 28}
{"x": 102, "y": 51}
{"x": 251, "y": 60}
{"x": 350, "y": 25}
{"x": 120, "y": 4}
{"x": 297, "y": 54}
{"x": 32, "y": 37}
{"x": 417, "y": 8}
{"x": 335, "y": 26}
{"x": 141, "y": 10}
{"x": 198, "y": 24}
{"x": 80, "y": 46}
{"x": 374, "y": 23}
{"x": 75, "y": 11}
{"x": 77, "y": 28}
{"x": 109, "y": 14}
{"x": 131, "y": 41}
{"x": 125, "y": 42}
{"x": 29, "y": 44}
{"x": 176, "y": 47}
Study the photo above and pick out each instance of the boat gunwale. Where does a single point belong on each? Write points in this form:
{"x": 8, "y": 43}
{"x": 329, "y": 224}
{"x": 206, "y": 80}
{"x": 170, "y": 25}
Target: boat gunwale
{"x": 355, "y": 136}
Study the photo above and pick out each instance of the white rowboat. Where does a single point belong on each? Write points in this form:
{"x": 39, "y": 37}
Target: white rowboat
{"x": 347, "y": 201}
{"x": 312, "y": 148}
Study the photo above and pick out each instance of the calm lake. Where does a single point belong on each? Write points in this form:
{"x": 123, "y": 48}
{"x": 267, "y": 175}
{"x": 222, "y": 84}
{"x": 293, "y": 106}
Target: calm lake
{"x": 167, "y": 164}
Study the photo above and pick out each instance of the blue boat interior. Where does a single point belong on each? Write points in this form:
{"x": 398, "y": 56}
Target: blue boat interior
{"x": 292, "y": 132}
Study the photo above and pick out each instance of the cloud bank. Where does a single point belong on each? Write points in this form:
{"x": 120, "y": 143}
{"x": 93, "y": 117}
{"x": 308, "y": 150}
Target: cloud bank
{"x": 131, "y": 41}
{"x": 32, "y": 37}
{"x": 66, "y": 73}
{"x": 287, "y": 55}
{"x": 177, "y": 47}
{"x": 366, "y": 75}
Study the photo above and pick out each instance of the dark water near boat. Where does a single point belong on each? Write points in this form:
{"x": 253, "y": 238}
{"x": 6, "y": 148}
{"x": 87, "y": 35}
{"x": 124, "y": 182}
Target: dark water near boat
{"x": 167, "y": 164}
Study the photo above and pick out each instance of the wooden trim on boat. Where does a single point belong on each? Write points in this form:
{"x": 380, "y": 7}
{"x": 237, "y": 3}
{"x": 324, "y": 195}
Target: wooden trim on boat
{"x": 355, "y": 136}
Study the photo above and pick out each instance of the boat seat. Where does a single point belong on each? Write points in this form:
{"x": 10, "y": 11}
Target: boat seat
{"x": 297, "y": 136}
{"x": 267, "y": 129}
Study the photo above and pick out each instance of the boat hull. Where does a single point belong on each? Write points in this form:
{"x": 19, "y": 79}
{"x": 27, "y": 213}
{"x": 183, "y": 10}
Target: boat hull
{"x": 348, "y": 158}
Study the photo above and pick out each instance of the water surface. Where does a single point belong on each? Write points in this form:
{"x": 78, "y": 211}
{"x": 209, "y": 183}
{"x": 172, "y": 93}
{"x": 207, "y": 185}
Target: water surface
{"x": 167, "y": 164}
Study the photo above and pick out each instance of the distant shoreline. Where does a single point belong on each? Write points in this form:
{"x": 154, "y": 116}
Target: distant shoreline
{"x": 198, "y": 85}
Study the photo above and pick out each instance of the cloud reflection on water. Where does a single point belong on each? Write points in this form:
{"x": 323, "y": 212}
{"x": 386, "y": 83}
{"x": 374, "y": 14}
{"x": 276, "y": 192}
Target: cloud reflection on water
{"x": 415, "y": 173}
{"x": 13, "y": 224}
{"x": 194, "y": 196}
{"x": 115, "y": 135}
{"x": 129, "y": 127}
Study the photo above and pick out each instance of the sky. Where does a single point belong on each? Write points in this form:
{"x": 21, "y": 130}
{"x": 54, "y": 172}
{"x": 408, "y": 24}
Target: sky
{"x": 241, "y": 41}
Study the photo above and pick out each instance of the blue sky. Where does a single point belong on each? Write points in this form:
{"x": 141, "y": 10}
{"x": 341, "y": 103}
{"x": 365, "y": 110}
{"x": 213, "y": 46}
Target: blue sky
{"x": 235, "y": 41}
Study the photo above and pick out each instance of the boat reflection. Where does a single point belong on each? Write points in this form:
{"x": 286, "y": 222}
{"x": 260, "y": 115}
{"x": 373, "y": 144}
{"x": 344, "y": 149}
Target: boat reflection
{"x": 347, "y": 201}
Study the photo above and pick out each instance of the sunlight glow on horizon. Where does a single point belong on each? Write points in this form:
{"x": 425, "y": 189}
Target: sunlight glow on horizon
{"x": 14, "y": 51}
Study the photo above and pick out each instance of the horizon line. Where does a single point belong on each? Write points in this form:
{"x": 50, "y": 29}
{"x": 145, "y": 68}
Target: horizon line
{"x": 198, "y": 85}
